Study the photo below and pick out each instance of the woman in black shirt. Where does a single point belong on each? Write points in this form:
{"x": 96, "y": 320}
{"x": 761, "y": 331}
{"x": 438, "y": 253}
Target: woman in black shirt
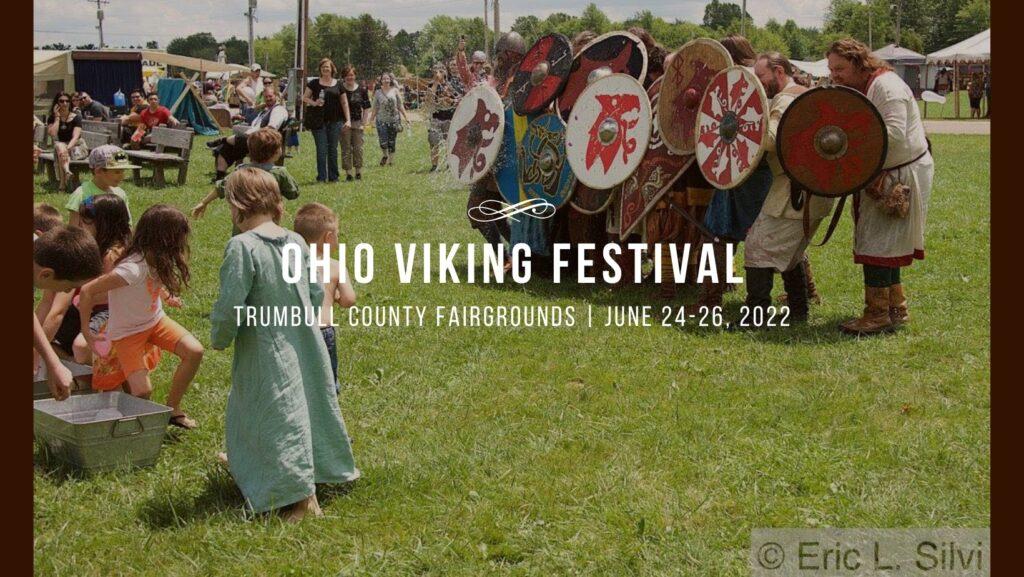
{"x": 65, "y": 128}
{"x": 326, "y": 110}
{"x": 358, "y": 100}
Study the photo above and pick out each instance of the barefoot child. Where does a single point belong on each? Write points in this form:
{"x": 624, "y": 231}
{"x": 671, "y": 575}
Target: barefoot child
{"x": 264, "y": 150}
{"x": 62, "y": 259}
{"x": 156, "y": 258}
{"x": 319, "y": 226}
{"x": 284, "y": 430}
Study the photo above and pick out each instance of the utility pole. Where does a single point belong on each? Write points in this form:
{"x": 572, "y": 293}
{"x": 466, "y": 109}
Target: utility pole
{"x": 871, "y": 42}
{"x": 297, "y": 83}
{"x": 497, "y": 21}
{"x": 251, "y": 15}
{"x": 743, "y": 20}
{"x": 99, "y": 17}
{"x": 486, "y": 51}
{"x": 899, "y": 13}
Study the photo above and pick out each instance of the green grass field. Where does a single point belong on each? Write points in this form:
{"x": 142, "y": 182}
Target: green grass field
{"x": 947, "y": 110}
{"x": 645, "y": 451}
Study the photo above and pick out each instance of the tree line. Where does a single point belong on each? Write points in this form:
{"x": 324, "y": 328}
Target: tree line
{"x": 368, "y": 44}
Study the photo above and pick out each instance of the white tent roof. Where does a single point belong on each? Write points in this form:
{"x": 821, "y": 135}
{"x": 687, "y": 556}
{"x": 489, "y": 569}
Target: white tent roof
{"x": 818, "y": 68}
{"x": 899, "y": 55}
{"x": 977, "y": 48}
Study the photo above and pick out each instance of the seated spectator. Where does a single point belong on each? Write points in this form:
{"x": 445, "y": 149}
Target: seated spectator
{"x": 92, "y": 109}
{"x": 234, "y": 149}
{"x": 153, "y": 115}
{"x": 65, "y": 128}
{"x": 76, "y": 103}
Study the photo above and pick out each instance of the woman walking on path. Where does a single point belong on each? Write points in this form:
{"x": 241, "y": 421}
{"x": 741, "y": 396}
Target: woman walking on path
{"x": 357, "y": 99}
{"x": 326, "y": 111}
{"x": 388, "y": 112}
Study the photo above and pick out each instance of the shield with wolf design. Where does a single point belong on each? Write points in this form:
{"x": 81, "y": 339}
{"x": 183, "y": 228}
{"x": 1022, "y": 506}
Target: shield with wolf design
{"x": 611, "y": 53}
{"x": 687, "y": 74}
{"x": 474, "y": 137}
{"x": 657, "y": 172}
{"x": 731, "y": 127}
{"x": 543, "y": 170}
{"x": 832, "y": 141}
{"x": 541, "y": 74}
{"x": 608, "y": 131}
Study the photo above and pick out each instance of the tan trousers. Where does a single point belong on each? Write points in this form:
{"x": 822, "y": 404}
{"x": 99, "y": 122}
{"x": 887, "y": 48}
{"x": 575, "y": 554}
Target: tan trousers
{"x": 351, "y": 148}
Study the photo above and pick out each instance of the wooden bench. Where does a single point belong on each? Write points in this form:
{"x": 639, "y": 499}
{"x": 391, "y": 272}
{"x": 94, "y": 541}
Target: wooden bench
{"x": 111, "y": 128}
{"x": 49, "y": 159}
{"x": 178, "y": 141}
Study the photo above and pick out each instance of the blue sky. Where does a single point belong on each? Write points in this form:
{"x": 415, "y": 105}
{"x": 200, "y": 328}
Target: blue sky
{"x": 136, "y": 21}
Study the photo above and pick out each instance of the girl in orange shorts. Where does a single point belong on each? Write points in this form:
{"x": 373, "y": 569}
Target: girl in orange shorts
{"x": 155, "y": 261}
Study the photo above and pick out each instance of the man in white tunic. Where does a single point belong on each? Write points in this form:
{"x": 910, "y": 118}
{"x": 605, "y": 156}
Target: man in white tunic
{"x": 884, "y": 242}
{"x": 777, "y": 240}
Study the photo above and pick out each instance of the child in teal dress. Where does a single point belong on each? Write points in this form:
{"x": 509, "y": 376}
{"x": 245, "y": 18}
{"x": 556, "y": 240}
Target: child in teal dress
{"x": 284, "y": 429}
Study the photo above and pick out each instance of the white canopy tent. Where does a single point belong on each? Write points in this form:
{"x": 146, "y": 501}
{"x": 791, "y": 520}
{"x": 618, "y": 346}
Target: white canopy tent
{"x": 817, "y": 69}
{"x": 975, "y": 50}
{"x": 906, "y": 63}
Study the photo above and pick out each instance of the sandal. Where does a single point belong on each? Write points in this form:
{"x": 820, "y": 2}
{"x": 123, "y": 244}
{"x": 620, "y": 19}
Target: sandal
{"x": 183, "y": 421}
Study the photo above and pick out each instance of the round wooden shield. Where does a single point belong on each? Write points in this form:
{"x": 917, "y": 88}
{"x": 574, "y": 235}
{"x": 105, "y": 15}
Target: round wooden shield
{"x": 608, "y": 131}
{"x": 543, "y": 170}
{"x": 658, "y": 171}
{"x": 687, "y": 75}
{"x": 731, "y": 127}
{"x": 474, "y": 136}
{"x": 541, "y": 74}
{"x": 593, "y": 200}
{"x": 832, "y": 141}
{"x": 611, "y": 53}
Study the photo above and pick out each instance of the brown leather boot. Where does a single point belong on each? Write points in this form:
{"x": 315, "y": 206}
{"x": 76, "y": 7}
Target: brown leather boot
{"x": 898, "y": 312}
{"x": 876, "y": 314}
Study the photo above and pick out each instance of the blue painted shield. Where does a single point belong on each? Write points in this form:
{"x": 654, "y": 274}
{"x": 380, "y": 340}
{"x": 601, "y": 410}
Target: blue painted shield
{"x": 506, "y": 167}
{"x": 544, "y": 170}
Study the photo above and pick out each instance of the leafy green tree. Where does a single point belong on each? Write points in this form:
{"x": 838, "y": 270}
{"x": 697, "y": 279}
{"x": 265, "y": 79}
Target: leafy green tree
{"x": 594, "y": 19}
{"x": 237, "y": 51}
{"x": 528, "y": 27}
{"x": 440, "y": 37}
{"x": 152, "y": 45}
{"x": 721, "y": 15}
{"x": 404, "y": 44}
{"x": 198, "y": 45}
{"x": 974, "y": 17}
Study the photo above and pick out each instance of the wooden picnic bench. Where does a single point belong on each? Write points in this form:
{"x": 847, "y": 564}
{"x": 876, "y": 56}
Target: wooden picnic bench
{"x": 112, "y": 128}
{"x": 177, "y": 141}
{"x": 49, "y": 158}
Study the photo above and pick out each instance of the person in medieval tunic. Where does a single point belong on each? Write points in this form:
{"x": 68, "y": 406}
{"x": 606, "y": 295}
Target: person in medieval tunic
{"x": 510, "y": 49}
{"x": 285, "y": 433}
{"x": 777, "y": 241}
{"x": 889, "y": 216}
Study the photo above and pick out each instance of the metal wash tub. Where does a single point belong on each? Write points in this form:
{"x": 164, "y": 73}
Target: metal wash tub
{"x": 101, "y": 431}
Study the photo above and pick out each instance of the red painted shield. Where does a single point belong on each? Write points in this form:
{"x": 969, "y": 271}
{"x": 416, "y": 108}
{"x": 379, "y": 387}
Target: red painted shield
{"x": 475, "y": 134}
{"x": 731, "y": 126}
{"x": 608, "y": 131}
{"x": 687, "y": 74}
{"x": 541, "y": 74}
{"x": 832, "y": 141}
{"x": 657, "y": 172}
{"x": 612, "y": 53}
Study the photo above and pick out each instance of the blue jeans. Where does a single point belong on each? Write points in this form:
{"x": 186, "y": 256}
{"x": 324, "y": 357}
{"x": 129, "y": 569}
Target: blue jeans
{"x": 387, "y": 133}
{"x": 327, "y": 139}
{"x": 332, "y": 351}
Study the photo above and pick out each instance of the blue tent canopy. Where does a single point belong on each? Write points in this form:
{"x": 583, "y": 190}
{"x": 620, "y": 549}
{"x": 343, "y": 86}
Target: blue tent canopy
{"x": 190, "y": 109}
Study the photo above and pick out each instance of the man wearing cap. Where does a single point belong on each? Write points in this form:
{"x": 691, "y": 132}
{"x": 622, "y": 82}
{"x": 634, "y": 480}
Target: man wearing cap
{"x": 108, "y": 164}
{"x": 510, "y": 49}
